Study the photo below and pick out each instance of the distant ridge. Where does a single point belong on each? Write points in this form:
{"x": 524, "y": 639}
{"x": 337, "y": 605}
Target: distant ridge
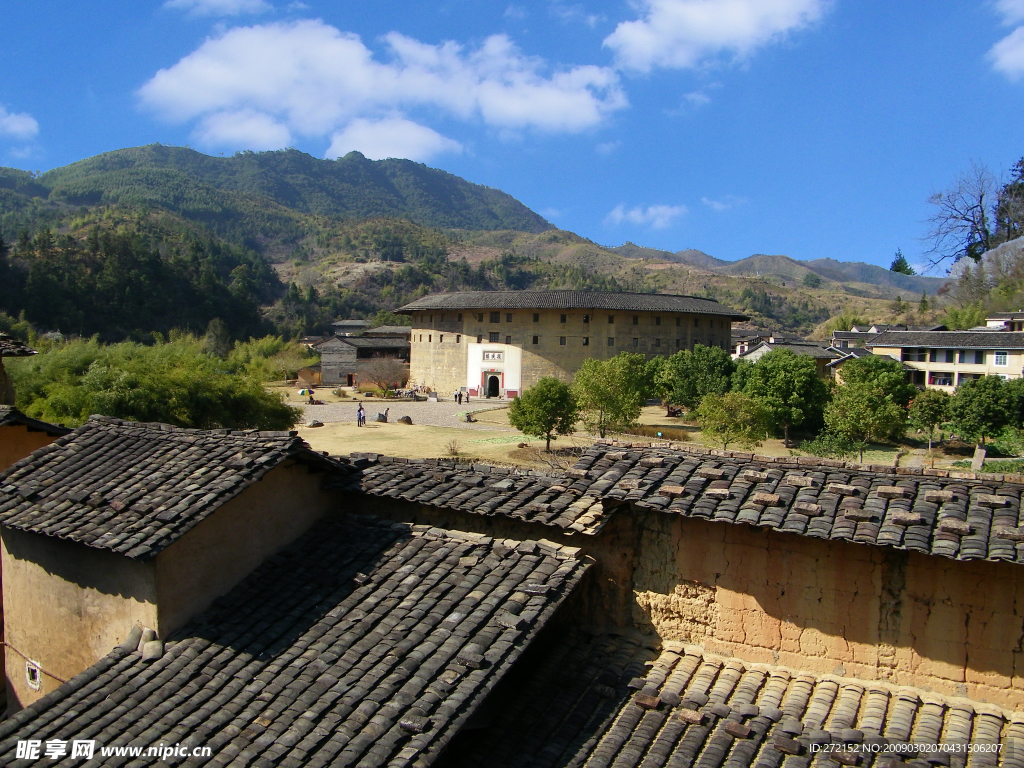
{"x": 787, "y": 268}
{"x": 202, "y": 187}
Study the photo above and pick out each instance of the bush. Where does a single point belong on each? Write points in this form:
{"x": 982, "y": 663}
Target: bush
{"x": 829, "y": 446}
{"x": 171, "y": 382}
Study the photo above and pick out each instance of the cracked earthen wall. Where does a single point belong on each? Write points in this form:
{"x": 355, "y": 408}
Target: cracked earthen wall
{"x": 834, "y": 607}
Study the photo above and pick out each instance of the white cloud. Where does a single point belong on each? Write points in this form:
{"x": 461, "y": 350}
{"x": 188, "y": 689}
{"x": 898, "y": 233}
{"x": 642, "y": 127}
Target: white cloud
{"x": 314, "y": 80}
{"x": 1012, "y": 11}
{"x": 243, "y": 128}
{"x": 576, "y": 13}
{"x": 219, "y": 7}
{"x": 552, "y": 213}
{"x": 391, "y": 137}
{"x": 656, "y": 216}
{"x": 686, "y": 33}
{"x": 607, "y": 147}
{"x": 727, "y": 203}
{"x": 1007, "y": 56}
{"x": 517, "y": 12}
{"x": 17, "y": 125}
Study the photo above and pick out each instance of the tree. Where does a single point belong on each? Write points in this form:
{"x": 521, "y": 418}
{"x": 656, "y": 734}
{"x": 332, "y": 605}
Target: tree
{"x": 689, "y": 376}
{"x": 217, "y": 341}
{"x": 962, "y": 217}
{"x": 812, "y": 280}
{"x": 883, "y": 372}
{"x": 385, "y": 372}
{"x": 863, "y": 413}
{"x": 610, "y": 392}
{"x": 929, "y": 409}
{"x": 789, "y": 387}
{"x": 922, "y": 305}
{"x": 733, "y": 418}
{"x": 981, "y": 408}
{"x": 546, "y": 409}
{"x": 901, "y": 265}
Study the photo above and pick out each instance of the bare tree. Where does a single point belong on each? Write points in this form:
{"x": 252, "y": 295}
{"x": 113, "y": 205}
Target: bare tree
{"x": 385, "y": 372}
{"x": 963, "y": 219}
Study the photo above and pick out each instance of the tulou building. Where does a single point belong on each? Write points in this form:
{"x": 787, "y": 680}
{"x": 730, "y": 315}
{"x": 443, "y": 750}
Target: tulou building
{"x": 500, "y": 343}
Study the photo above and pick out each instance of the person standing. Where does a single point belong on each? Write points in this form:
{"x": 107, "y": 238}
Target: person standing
{"x": 360, "y": 416}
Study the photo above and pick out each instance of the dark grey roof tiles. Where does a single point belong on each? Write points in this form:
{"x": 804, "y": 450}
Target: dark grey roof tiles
{"x": 11, "y": 347}
{"x": 639, "y": 302}
{"x": 364, "y": 643}
{"x": 610, "y": 701}
{"x": 994, "y": 339}
{"x": 136, "y": 488}
{"x": 804, "y": 349}
{"x": 963, "y": 518}
{"x": 561, "y": 500}
{"x": 11, "y": 416}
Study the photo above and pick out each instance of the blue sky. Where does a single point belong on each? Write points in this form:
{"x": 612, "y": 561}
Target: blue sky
{"x": 812, "y": 128}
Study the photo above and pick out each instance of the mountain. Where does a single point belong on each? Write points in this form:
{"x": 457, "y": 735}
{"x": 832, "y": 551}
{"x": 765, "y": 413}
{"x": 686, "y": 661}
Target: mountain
{"x": 265, "y": 193}
{"x": 849, "y": 273}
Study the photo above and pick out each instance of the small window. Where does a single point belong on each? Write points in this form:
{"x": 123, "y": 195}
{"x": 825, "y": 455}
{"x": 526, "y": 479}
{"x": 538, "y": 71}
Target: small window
{"x": 440, "y": 339}
{"x": 696, "y": 322}
{"x": 636, "y": 319}
{"x": 679, "y": 322}
{"x": 459, "y": 319}
{"x": 495, "y": 317}
{"x": 536, "y": 339}
{"x": 508, "y": 339}
{"x": 657, "y": 321}
{"x": 657, "y": 342}
{"x": 586, "y": 341}
{"x": 508, "y": 317}
{"x": 611, "y": 342}
{"x": 561, "y": 341}
{"x": 586, "y": 319}
{"x": 1001, "y": 357}
{"x": 636, "y": 342}
{"x": 479, "y": 316}
{"x": 430, "y": 338}
{"x": 562, "y": 318}
{"x": 536, "y": 317}
{"x": 442, "y": 318}
{"x": 979, "y": 357}
{"x": 611, "y": 319}
{"x": 33, "y": 675}
{"x": 431, "y": 318}
{"x": 421, "y": 337}
{"x": 479, "y": 339}
{"x": 458, "y": 339}
{"x": 494, "y": 337}
{"x": 679, "y": 343}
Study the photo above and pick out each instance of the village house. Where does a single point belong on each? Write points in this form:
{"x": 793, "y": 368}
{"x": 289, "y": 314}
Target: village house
{"x": 119, "y": 524}
{"x": 500, "y": 343}
{"x": 817, "y": 351}
{"x": 20, "y": 435}
{"x": 342, "y": 358}
{"x": 945, "y": 359}
{"x": 651, "y": 605}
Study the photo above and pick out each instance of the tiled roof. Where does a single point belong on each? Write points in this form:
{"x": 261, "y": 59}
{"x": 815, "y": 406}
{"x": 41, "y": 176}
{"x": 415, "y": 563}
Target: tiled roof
{"x": 363, "y": 643}
{"x": 1005, "y": 316}
{"x": 804, "y": 349}
{"x": 964, "y": 517}
{"x": 557, "y": 500}
{"x": 394, "y": 329}
{"x": 638, "y": 302}
{"x": 352, "y": 323}
{"x": 371, "y": 342}
{"x": 11, "y": 347}
{"x": 850, "y": 353}
{"x": 994, "y": 339}
{"x": 611, "y": 701}
{"x": 137, "y": 488}
{"x": 821, "y": 498}
{"x": 9, "y": 415}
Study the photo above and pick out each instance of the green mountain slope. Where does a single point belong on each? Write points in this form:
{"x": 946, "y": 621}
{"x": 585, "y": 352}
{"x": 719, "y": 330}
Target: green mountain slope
{"x": 263, "y": 196}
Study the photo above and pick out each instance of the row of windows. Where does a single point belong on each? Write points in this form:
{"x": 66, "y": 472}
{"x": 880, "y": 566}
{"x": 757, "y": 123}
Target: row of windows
{"x": 495, "y": 338}
{"x": 495, "y": 317}
{"x": 964, "y": 356}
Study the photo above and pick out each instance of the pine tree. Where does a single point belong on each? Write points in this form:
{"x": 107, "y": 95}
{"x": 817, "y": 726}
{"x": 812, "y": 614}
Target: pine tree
{"x": 901, "y": 265}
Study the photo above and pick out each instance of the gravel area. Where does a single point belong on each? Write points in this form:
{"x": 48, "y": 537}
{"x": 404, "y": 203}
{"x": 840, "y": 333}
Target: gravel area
{"x": 442, "y": 414}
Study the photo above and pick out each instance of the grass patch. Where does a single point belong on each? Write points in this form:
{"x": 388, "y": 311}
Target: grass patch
{"x": 1013, "y": 467}
{"x": 661, "y": 433}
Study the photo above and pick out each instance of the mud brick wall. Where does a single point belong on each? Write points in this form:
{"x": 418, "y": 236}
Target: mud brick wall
{"x": 832, "y": 607}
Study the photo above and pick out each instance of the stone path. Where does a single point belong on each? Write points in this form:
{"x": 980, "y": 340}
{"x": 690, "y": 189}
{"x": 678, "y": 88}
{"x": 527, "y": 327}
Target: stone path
{"x": 442, "y": 414}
